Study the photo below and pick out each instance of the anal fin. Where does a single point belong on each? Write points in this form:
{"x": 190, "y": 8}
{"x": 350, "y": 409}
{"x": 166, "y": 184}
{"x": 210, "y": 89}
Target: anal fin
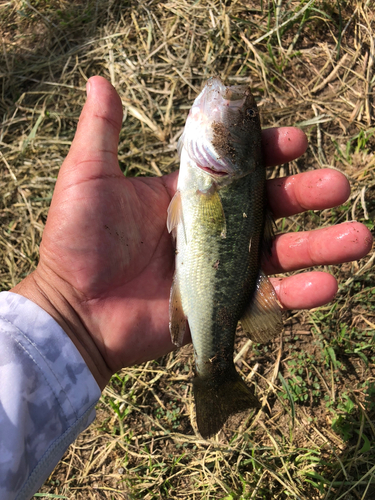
{"x": 177, "y": 318}
{"x": 262, "y": 320}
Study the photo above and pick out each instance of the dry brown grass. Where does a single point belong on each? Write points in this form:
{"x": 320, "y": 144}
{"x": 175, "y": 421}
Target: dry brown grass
{"x": 310, "y": 63}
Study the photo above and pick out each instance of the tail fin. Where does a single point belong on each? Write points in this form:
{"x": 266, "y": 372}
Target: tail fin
{"x": 218, "y": 398}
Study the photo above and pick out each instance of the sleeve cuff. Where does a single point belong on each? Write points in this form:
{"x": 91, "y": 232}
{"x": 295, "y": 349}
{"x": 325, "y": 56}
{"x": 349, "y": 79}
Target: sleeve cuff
{"x": 64, "y": 369}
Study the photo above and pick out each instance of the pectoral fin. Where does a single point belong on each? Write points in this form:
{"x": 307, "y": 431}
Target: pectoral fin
{"x": 177, "y": 318}
{"x": 175, "y": 215}
{"x": 262, "y": 320}
{"x": 174, "y": 212}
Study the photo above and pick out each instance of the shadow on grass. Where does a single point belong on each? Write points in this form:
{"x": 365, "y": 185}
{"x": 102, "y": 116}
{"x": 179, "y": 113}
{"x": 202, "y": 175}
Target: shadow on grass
{"x": 42, "y": 39}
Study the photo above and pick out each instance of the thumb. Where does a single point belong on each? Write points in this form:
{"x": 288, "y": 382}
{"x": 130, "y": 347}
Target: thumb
{"x": 93, "y": 152}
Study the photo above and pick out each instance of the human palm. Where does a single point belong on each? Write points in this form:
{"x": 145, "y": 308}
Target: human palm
{"x": 106, "y": 258}
{"x": 109, "y": 242}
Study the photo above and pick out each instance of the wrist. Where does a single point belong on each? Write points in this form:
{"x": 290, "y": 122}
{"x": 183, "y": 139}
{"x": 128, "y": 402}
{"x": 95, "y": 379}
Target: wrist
{"x": 55, "y": 296}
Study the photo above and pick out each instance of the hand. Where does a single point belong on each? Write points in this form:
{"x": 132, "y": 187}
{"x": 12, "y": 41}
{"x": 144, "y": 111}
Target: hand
{"x": 107, "y": 260}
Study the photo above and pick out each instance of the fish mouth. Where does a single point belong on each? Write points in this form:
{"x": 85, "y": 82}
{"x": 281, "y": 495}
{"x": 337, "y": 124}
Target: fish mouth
{"x": 213, "y": 172}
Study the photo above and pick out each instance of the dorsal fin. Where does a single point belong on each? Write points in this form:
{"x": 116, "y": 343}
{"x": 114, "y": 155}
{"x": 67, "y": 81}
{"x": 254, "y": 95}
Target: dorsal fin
{"x": 268, "y": 233}
{"x": 262, "y": 320}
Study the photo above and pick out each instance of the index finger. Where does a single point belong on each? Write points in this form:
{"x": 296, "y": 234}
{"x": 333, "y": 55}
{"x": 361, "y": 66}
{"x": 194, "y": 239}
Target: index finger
{"x": 282, "y": 144}
{"x": 314, "y": 190}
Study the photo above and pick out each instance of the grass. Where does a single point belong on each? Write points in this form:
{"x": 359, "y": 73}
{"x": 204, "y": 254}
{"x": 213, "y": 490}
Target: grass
{"x": 310, "y": 63}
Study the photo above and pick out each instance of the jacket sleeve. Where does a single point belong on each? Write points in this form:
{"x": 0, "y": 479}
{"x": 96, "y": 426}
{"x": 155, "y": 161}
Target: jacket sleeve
{"x": 47, "y": 396}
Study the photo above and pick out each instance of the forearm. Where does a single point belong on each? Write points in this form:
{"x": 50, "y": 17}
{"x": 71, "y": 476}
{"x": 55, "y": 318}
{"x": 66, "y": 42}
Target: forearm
{"x": 50, "y": 292}
{"x": 47, "y": 395}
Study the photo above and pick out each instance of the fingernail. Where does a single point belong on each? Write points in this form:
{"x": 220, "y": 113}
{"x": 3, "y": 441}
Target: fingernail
{"x": 88, "y": 86}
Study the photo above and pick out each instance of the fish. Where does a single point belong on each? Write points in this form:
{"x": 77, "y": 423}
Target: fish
{"x": 222, "y": 227}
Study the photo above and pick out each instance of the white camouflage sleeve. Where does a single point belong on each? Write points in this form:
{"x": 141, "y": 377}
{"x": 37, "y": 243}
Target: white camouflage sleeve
{"x": 47, "y": 395}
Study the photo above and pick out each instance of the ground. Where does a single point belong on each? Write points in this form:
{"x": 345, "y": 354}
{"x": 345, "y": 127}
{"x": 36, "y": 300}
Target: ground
{"x": 310, "y": 64}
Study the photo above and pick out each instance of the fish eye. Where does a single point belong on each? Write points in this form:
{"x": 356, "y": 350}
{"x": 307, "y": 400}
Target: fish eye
{"x": 251, "y": 112}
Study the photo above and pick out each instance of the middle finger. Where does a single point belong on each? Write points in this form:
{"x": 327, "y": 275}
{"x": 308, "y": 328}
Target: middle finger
{"x": 314, "y": 190}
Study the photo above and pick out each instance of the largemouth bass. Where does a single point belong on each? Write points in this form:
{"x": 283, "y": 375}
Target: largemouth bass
{"x": 220, "y": 221}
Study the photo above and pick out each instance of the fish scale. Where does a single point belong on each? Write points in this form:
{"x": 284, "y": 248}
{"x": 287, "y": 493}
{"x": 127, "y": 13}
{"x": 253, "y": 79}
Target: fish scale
{"x": 206, "y": 289}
